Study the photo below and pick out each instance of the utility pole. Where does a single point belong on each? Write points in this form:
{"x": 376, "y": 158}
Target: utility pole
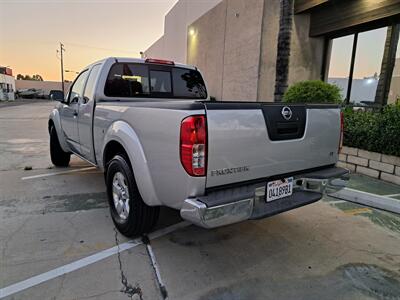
{"x": 62, "y": 49}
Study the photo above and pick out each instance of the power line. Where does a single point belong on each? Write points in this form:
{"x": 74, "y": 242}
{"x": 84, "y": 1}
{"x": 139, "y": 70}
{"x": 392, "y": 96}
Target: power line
{"x": 94, "y": 47}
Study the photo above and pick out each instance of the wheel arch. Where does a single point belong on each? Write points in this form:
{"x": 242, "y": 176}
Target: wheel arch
{"x": 54, "y": 120}
{"x": 122, "y": 139}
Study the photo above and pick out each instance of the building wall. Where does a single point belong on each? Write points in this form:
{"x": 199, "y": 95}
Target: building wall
{"x": 242, "y": 49}
{"x": 46, "y": 86}
{"x": 206, "y": 47}
{"x": 226, "y": 48}
{"x": 250, "y": 33}
{"x": 10, "y": 81}
{"x": 269, "y": 41}
{"x": 306, "y": 53}
{"x": 156, "y": 50}
{"x": 172, "y": 45}
{"x": 394, "y": 92}
{"x": 396, "y": 69}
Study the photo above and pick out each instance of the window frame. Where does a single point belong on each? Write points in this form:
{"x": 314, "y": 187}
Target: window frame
{"x": 68, "y": 102}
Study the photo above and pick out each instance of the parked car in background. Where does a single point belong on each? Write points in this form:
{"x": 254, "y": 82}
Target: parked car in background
{"x": 32, "y": 93}
{"x": 150, "y": 126}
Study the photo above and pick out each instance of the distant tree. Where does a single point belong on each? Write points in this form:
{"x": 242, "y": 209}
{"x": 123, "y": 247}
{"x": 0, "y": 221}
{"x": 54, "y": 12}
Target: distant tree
{"x": 36, "y": 77}
{"x": 387, "y": 66}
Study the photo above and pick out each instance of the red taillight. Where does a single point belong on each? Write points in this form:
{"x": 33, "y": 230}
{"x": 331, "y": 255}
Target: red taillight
{"x": 193, "y": 145}
{"x": 159, "y": 61}
{"x": 341, "y": 131}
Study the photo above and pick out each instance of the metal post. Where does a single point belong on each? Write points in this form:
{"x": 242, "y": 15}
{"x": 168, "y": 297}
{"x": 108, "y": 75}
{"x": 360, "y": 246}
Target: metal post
{"x": 353, "y": 58}
{"x": 62, "y": 66}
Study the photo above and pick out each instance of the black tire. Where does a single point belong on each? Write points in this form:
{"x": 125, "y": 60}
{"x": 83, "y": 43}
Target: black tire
{"x": 59, "y": 158}
{"x": 141, "y": 218}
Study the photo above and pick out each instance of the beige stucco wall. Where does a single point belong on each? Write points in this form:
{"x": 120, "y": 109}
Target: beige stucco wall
{"x": 172, "y": 45}
{"x": 236, "y": 49}
{"x": 394, "y": 92}
{"x": 47, "y": 86}
{"x": 242, "y": 49}
{"x": 206, "y": 47}
{"x": 306, "y": 54}
{"x": 157, "y": 50}
{"x": 226, "y": 48}
{"x": 269, "y": 40}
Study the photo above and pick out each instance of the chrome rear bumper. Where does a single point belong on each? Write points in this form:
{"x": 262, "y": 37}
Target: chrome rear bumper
{"x": 307, "y": 188}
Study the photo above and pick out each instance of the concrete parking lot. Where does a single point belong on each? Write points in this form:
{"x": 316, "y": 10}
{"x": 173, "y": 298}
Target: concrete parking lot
{"x": 57, "y": 239}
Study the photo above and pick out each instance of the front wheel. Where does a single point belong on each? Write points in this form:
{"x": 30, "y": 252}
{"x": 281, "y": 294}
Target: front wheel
{"x": 130, "y": 214}
{"x": 59, "y": 158}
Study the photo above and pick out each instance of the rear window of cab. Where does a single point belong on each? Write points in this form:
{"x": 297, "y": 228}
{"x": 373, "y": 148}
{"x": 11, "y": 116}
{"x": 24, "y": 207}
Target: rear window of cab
{"x": 133, "y": 80}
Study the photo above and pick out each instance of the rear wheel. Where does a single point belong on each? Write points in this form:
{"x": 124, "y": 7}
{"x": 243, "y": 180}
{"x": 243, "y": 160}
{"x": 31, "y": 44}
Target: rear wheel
{"x": 59, "y": 158}
{"x": 130, "y": 214}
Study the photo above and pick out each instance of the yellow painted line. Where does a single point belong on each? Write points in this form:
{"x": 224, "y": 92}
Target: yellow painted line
{"x": 357, "y": 211}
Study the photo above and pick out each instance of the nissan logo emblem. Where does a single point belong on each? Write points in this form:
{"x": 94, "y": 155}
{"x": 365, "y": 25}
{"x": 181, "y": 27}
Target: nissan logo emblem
{"x": 286, "y": 113}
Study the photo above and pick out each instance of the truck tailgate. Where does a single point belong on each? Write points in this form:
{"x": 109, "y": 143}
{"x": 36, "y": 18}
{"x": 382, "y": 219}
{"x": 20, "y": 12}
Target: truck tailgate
{"x": 249, "y": 141}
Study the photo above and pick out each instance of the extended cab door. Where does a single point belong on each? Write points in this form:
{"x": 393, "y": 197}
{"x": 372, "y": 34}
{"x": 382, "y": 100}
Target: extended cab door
{"x": 85, "y": 115}
{"x": 70, "y": 110}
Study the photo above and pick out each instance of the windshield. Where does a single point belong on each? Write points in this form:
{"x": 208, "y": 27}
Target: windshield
{"x": 131, "y": 80}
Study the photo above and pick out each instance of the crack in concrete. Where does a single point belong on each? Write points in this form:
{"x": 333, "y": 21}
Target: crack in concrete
{"x": 99, "y": 294}
{"x": 128, "y": 289}
{"x": 11, "y": 235}
{"x": 61, "y": 287}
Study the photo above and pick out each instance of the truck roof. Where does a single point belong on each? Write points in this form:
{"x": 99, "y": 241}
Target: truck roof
{"x": 138, "y": 60}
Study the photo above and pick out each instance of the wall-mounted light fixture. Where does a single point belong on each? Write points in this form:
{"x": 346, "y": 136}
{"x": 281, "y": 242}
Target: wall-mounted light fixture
{"x": 192, "y": 31}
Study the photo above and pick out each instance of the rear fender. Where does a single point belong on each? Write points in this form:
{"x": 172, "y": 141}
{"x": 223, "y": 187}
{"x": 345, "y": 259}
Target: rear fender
{"x": 124, "y": 134}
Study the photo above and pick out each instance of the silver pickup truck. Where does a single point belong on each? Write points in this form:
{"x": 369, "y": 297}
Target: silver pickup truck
{"x": 151, "y": 126}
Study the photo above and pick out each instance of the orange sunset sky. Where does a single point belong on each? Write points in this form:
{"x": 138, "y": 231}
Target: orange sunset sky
{"x": 30, "y": 32}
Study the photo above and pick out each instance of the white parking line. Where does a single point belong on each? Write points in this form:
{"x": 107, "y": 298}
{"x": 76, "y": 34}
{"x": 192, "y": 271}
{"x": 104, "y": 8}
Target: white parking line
{"x": 57, "y": 173}
{"x": 368, "y": 199}
{"x": 38, "y": 279}
{"x": 392, "y": 195}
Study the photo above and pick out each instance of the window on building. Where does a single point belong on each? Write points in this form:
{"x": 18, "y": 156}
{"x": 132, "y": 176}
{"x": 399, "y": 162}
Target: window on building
{"x": 367, "y": 65}
{"x": 339, "y": 65}
{"x": 357, "y": 76}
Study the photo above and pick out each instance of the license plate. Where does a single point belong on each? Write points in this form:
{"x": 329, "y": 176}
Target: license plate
{"x": 279, "y": 189}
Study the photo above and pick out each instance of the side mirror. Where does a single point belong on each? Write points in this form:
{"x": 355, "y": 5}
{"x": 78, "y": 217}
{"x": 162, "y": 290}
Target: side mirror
{"x": 57, "y": 95}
